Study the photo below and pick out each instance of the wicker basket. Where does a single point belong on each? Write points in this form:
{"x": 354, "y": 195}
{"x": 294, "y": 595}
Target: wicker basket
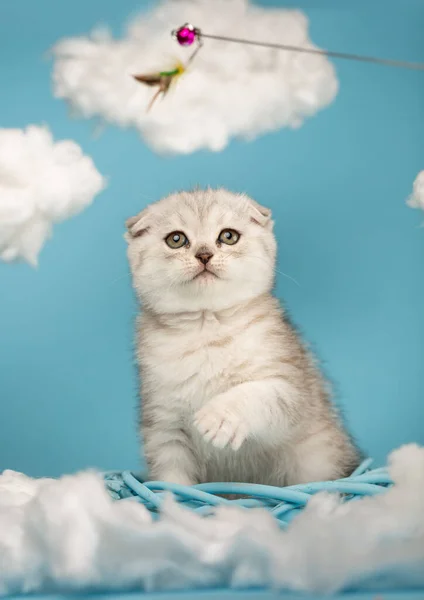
{"x": 283, "y": 503}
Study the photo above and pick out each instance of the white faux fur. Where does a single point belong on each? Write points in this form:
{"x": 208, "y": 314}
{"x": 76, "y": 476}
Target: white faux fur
{"x": 69, "y": 535}
{"x": 416, "y": 199}
{"x": 42, "y": 182}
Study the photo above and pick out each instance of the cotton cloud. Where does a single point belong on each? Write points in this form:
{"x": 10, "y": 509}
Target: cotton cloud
{"x": 416, "y": 199}
{"x": 232, "y": 90}
{"x": 41, "y": 183}
{"x": 69, "y": 535}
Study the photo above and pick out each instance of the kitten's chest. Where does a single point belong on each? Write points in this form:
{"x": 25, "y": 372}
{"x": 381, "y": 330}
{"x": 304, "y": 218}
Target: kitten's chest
{"x": 195, "y": 362}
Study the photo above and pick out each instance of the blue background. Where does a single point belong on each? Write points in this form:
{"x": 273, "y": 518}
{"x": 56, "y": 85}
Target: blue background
{"x": 337, "y": 188}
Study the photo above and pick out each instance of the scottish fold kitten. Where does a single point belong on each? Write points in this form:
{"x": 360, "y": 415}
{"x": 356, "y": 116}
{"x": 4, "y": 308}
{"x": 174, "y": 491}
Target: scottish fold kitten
{"x": 229, "y": 392}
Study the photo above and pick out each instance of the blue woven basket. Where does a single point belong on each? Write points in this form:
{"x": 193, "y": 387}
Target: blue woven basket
{"x": 283, "y": 503}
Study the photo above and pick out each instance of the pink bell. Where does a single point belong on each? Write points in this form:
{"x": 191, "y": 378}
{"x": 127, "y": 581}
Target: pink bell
{"x": 186, "y": 35}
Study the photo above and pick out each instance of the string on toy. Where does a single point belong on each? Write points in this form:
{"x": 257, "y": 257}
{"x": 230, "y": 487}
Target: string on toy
{"x": 187, "y": 34}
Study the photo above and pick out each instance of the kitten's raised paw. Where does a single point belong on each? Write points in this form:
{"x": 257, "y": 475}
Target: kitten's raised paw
{"x": 221, "y": 426}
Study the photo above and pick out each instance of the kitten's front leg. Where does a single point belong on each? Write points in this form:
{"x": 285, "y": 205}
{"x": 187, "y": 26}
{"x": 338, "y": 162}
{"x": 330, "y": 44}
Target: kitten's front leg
{"x": 257, "y": 409}
{"x": 169, "y": 454}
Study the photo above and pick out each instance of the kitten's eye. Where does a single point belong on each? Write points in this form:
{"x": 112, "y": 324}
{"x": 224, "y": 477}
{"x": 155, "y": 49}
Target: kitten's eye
{"x": 229, "y": 236}
{"x": 176, "y": 239}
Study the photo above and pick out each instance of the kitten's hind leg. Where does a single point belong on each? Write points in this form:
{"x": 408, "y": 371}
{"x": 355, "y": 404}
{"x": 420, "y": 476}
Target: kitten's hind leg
{"x": 323, "y": 456}
{"x": 170, "y": 457}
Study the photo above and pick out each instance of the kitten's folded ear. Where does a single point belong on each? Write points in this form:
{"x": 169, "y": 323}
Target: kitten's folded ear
{"x": 137, "y": 225}
{"x": 260, "y": 214}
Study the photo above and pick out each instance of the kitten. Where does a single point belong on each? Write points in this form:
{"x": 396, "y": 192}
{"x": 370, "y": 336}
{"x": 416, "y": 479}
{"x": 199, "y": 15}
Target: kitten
{"x": 229, "y": 391}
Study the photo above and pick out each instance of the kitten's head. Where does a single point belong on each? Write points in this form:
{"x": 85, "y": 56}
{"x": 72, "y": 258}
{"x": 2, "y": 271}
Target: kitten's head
{"x": 201, "y": 250}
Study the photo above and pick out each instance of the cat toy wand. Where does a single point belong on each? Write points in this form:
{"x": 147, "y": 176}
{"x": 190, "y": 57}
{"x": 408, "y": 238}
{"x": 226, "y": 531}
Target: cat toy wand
{"x": 164, "y": 79}
{"x": 187, "y": 34}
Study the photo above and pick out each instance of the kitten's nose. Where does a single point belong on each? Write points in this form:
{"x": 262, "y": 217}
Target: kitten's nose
{"x": 204, "y": 257}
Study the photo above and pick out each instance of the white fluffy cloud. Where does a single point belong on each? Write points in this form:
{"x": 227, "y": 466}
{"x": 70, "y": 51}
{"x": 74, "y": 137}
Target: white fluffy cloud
{"x": 69, "y": 534}
{"x": 231, "y": 90}
{"x": 41, "y": 183}
{"x": 416, "y": 199}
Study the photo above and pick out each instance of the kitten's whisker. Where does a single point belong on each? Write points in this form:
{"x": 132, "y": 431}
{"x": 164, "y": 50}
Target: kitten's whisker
{"x": 288, "y": 277}
{"x": 269, "y": 264}
{"x": 277, "y": 270}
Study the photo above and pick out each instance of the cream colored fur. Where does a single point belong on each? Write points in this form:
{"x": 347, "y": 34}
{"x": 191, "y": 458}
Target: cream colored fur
{"x": 229, "y": 391}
